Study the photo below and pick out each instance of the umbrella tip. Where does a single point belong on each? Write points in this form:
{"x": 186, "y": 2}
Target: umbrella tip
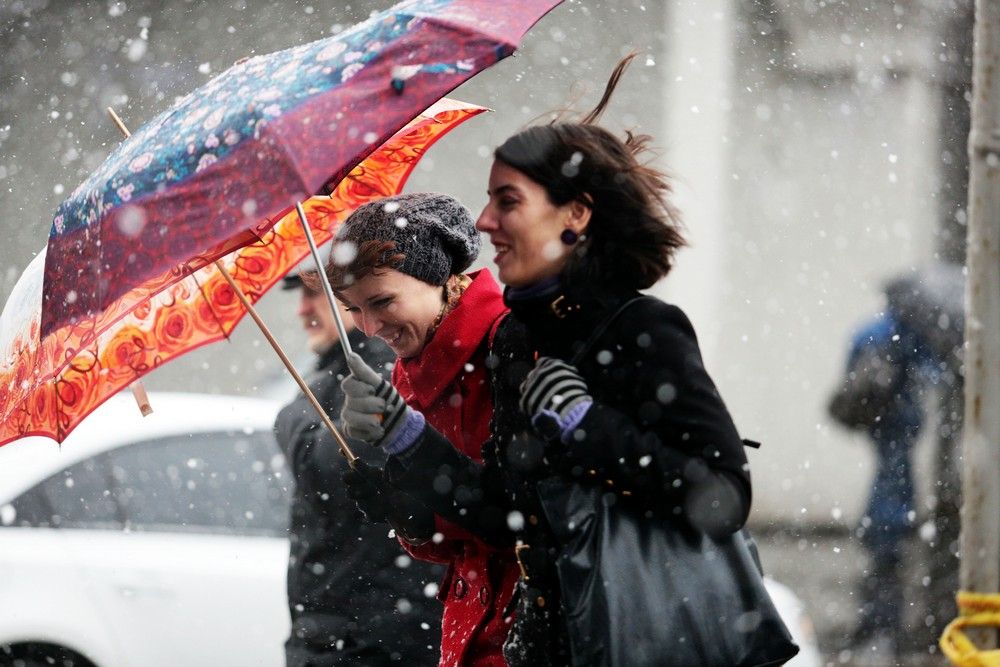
{"x": 401, "y": 73}
{"x": 141, "y": 399}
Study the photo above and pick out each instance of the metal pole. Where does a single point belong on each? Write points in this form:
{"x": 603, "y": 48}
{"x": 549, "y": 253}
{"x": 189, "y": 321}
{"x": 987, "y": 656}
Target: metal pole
{"x": 344, "y": 343}
{"x": 980, "y": 537}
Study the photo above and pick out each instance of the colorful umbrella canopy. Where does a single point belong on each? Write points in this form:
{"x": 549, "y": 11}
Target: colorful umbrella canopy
{"x": 49, "y": 383}
{"x": 210, "y": 174}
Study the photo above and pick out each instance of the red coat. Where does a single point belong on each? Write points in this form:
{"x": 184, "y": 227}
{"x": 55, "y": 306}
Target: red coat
{"x": 449, "y": 384}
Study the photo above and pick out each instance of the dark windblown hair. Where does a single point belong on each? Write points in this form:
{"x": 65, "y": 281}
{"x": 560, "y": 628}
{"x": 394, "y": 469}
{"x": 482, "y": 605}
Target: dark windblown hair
{"x": 633, "y": 230}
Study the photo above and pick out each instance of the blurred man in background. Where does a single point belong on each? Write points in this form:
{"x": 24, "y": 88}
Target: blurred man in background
{"x": 354, "y": 596}
{"x": 903, "y": 361}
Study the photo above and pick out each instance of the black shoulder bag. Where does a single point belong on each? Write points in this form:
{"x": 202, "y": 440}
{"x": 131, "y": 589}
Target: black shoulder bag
{"x": 652, "y": 591}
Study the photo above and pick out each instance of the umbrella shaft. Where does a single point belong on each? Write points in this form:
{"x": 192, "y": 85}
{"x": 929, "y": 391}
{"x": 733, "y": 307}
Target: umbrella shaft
{"x": 341, "y": 329}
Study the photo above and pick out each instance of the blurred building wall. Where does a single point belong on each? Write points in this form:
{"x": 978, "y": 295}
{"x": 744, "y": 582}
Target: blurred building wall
{"x": 820, "y": 132}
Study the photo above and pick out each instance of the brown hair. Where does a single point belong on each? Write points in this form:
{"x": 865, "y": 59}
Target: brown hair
{"x": 372, "y": 256}
{"x": 634, "y": 230}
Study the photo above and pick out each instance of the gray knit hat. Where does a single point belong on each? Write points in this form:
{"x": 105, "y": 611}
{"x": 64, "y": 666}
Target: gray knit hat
{"x": 435, "y": 232}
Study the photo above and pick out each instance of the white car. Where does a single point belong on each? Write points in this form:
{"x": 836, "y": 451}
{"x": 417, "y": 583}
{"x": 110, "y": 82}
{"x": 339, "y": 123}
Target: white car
{"x": 142, "y": 542}
{"x": 147, "y": 541}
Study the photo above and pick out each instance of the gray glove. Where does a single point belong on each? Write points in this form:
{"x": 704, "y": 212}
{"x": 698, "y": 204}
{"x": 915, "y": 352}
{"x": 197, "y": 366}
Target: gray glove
{"x": 373, "y": 410}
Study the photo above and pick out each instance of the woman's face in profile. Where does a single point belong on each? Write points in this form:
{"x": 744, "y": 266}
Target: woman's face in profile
{"x": 396, "y": 307}
{"x": 524, "y": 227}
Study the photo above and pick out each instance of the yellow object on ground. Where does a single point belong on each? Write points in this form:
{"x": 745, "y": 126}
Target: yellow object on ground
{"x": 976, "y": 610}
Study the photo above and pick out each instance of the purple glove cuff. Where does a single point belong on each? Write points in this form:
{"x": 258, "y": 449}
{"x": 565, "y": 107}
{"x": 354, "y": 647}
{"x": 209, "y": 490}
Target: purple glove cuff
{"x": 572, "y": 419}
{"x": 407, "y": 433}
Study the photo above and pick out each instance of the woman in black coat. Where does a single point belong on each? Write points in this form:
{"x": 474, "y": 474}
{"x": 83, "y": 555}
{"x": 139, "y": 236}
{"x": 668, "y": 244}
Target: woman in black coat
{"x": 580, "y": 226}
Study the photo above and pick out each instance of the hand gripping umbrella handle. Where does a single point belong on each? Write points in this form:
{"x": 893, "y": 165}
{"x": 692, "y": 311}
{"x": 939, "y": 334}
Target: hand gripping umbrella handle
{"x": 344, "y": 447}
{"x": 345, "y": 344}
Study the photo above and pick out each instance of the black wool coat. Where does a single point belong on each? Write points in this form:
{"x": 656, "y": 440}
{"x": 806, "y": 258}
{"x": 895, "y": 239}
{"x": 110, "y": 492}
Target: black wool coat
{"x": 658, "y": 434}
{"x": 345, "y": 583}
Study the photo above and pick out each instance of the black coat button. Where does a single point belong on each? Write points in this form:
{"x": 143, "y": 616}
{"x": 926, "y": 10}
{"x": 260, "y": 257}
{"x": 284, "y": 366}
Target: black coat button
{"x": 460, "y": 588}
{"x": 484, "y": 596}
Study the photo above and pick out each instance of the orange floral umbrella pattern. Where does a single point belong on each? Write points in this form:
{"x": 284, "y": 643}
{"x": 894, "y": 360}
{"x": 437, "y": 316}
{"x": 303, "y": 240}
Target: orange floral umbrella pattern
{"x": 48, "y": 386}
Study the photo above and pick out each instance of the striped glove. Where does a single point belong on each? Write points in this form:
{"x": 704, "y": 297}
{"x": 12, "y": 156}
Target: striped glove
{"x": 555, "y": 398}
{"x": 375, "y": 412}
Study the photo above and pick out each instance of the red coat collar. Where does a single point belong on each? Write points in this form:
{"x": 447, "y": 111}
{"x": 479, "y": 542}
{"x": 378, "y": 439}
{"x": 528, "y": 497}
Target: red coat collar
{"x": 421, "y": 379}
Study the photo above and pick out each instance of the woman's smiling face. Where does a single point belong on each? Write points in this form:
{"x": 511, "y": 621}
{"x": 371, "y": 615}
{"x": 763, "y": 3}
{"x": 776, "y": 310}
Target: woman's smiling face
{"x": 524, "y": 227}
{"x": 396, "y": 307}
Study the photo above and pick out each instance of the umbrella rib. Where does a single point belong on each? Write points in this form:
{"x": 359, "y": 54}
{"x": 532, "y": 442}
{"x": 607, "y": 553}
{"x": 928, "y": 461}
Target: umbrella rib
{"x": 289, "y": 158}
{"x": 208, "y": 301}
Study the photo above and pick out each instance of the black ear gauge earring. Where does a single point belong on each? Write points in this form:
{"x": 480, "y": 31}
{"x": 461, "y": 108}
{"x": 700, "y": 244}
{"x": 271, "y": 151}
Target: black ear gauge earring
{"x": 569, "y": 237}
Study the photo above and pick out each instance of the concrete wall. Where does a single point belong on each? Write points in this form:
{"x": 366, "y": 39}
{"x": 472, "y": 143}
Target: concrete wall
{"x": 810, "y": 145}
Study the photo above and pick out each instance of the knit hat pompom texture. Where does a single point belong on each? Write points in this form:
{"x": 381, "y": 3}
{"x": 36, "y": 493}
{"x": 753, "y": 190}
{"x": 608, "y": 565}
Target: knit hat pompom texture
{"x": 435, "y": 232}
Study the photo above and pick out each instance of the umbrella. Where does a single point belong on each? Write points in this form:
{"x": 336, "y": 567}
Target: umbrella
{"x": 210, "y": 174}
{"x": 48, "y": 384}
{"x": 213, "y": 174}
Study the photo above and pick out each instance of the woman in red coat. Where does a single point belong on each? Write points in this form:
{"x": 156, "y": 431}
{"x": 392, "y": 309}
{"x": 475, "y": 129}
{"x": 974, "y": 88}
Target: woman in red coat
{"x": 403, "y": 281}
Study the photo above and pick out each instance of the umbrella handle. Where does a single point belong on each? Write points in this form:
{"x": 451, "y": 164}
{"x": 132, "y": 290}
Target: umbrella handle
{"x": 344, "y": 447}
{"x": 345, "y": 344}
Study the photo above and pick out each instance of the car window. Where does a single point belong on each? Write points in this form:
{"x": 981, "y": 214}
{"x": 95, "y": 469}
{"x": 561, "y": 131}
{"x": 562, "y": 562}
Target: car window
{"x": 29, "y": 510}
{"x": 79, "y": 496}
{"x": 231, "y": 482}
{"x": 76, "y": 497}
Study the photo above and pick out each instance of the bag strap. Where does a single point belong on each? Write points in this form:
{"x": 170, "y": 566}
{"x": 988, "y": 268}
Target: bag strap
{"x": 601, "y": 328}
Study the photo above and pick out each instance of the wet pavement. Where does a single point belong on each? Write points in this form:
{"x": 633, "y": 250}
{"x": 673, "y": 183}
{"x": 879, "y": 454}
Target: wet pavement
{"x": 824, "y": 568}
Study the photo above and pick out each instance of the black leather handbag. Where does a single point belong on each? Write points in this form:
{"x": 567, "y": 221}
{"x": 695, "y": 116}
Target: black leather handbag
{"x": 639, "y": 589}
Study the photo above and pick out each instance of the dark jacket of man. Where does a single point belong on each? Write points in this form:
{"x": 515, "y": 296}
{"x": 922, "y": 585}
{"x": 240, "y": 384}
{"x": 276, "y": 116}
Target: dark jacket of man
{"x": 354, "y": 595}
